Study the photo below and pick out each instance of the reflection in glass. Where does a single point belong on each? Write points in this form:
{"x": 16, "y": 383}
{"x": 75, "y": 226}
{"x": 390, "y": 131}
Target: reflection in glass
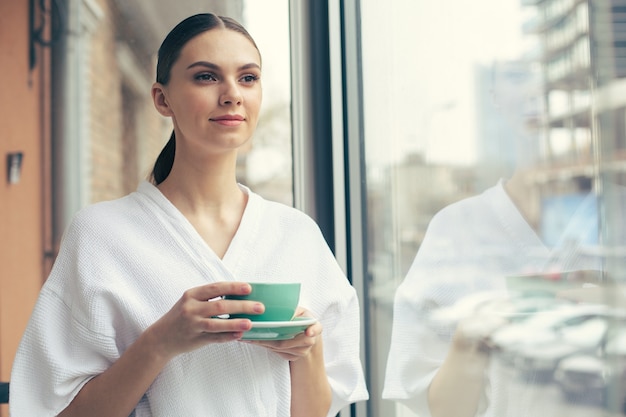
{"x": 495, "y": 167}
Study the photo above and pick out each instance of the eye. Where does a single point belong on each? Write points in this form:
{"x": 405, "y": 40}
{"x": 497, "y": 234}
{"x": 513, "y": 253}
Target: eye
{"x": 206, "y": 76}
{"x": 249, "y": 79}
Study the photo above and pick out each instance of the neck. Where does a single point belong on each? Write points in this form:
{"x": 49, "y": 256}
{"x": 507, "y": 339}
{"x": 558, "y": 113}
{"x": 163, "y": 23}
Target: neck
{"x": 518, "y": 193}
{"x": 211, "y": 186}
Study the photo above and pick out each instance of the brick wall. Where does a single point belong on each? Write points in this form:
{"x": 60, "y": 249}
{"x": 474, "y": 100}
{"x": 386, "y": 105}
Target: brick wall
{"x": 126, "y": 132}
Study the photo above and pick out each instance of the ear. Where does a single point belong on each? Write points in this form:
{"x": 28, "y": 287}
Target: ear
{"x": 159, "y": 98}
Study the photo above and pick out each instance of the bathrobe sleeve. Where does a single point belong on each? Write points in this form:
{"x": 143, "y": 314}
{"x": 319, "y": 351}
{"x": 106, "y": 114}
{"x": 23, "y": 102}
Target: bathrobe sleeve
{"x": 60, "y": 351}
{"x": 416, "y": 350}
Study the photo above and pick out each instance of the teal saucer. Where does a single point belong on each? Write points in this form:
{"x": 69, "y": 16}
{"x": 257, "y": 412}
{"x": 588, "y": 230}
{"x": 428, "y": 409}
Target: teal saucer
{"x": 278, "y": 330}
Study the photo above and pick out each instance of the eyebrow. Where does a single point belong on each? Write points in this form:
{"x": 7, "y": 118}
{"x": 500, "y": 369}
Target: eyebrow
{"x": 215, "y": 67}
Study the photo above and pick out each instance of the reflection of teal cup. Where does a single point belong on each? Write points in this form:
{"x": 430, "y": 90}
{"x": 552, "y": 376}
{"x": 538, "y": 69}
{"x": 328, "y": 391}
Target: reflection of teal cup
{"x": 280, "y": 301}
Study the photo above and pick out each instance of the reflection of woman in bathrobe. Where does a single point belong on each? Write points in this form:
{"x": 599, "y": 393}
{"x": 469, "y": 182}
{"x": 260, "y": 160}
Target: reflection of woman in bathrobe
{"x": 125, "y": 324}
{"x": 470, "y": 247}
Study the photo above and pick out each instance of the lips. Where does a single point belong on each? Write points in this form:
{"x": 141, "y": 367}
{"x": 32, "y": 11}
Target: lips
{"x": 228, "y": 119}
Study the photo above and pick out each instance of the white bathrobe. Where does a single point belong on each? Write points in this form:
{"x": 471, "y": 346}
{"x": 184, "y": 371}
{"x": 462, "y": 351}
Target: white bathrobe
{"x": 470, "y": 247}
{"x": 123, "y": 264}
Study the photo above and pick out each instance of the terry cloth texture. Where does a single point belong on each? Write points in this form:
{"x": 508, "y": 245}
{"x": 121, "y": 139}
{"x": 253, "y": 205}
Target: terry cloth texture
{"x": 123, "y": 264}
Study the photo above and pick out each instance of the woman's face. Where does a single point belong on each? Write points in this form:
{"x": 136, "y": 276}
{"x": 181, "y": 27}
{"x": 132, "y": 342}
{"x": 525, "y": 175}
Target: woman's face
{"x": 214, "y": 93}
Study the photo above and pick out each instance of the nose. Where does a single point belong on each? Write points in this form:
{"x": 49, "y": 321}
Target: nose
{"x": 231, "y": 94}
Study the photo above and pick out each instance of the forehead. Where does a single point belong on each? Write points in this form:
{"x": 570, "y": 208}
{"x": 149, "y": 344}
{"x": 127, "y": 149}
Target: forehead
{"x": 220, "y": 46}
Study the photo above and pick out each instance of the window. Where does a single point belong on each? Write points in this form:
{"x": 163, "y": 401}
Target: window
{"x": 493, "y": 192}
{"x": 466, "y": 161}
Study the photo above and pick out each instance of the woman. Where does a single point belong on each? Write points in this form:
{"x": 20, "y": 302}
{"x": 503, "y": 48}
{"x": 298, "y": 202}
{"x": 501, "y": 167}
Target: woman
{"x": 127, "y": 322}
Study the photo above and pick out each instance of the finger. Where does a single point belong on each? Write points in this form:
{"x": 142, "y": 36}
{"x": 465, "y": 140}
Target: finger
{"x": 219, "y": 289}
{"x": 299, "y": 342}
{"x": 293, "y": 353}
{"x": 301, "y": 312}
{"x": 288, "y": 357}
{"x": 219, "y": 307}
{"x": 216, "y": 325}
{"x": 314, "y": 330}
{"x": 220, "y": 337}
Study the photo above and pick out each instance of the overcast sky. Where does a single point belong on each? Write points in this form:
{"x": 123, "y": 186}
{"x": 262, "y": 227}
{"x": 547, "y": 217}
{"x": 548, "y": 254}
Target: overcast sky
{"x": 268, "y": 23}
{"x": 418, "y": 62}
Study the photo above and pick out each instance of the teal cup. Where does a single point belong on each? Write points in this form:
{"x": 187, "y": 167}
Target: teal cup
{"x": 280, "y": 301}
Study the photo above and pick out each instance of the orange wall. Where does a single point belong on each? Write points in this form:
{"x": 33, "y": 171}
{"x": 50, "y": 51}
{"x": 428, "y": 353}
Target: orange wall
{"x": 22, "y": 220}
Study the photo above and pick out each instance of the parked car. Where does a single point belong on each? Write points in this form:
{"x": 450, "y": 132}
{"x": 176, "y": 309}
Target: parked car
{"x": 514, "y": 307}
{"x": 543, "y": 327}
{"x": 447, "y": 317}
{"x": 518, "y": 307}
{"x": 600, "y": 376}
{"x": 539, "y": 360}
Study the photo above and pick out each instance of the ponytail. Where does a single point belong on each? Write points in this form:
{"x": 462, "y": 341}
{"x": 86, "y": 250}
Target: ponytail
{"x": 164, "y": 162}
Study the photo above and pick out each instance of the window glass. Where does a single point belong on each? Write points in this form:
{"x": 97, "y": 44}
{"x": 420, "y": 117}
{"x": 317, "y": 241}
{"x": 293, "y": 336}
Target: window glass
{"x": 268, "y": 164}
{"x": 494, "y": 163}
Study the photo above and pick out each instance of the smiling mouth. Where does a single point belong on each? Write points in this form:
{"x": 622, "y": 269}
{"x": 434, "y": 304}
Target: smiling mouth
{"x": 228, "y": 120}
{"x": 235, "y": 118}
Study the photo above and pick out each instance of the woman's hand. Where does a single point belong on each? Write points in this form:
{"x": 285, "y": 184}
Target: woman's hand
{"x": 298, "y": 347}
{"x": 473, "y": 333}
{"x": 459, "y": 387}
{"x": 192, "y": 322}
